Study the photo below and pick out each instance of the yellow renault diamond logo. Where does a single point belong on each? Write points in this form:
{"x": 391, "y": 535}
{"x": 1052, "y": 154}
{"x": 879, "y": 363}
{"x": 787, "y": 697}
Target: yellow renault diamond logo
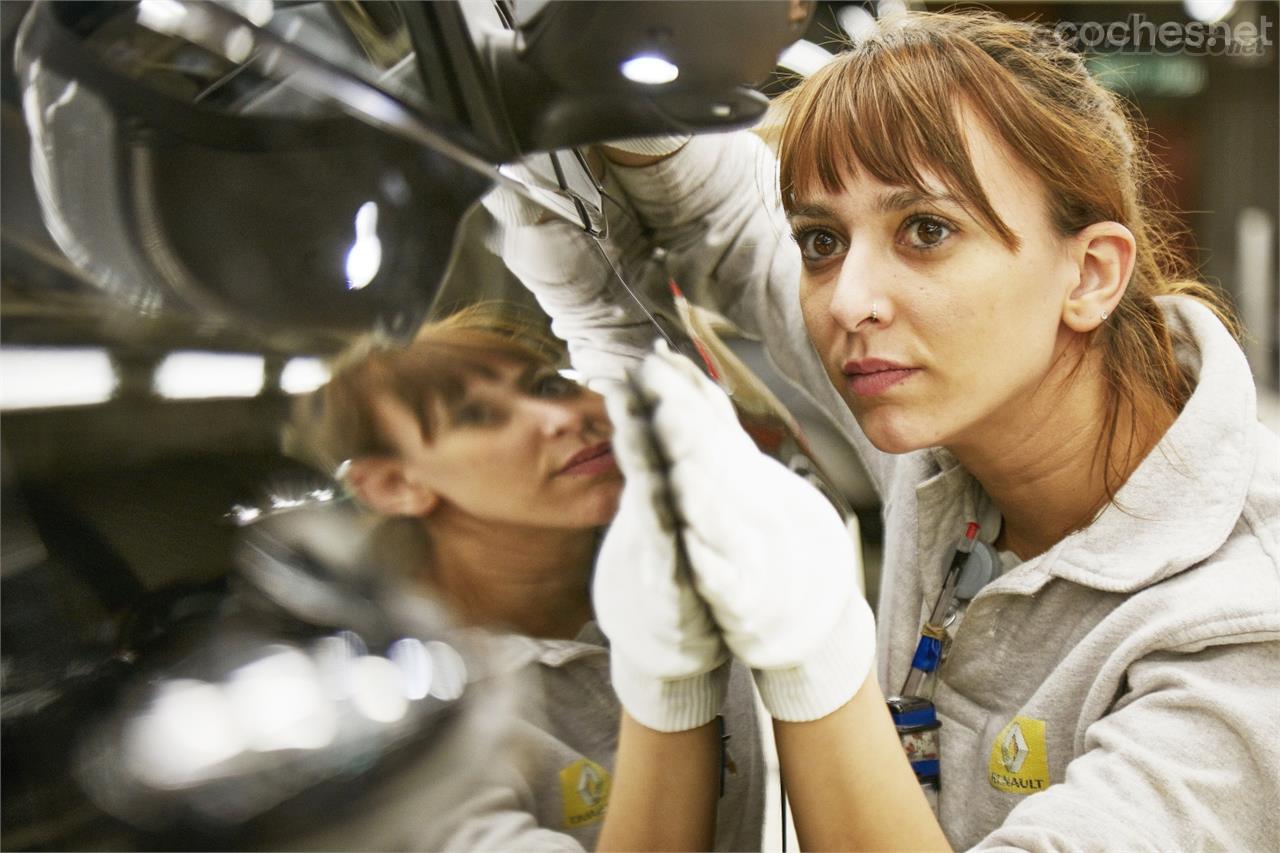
{"x": 1019, "y": 761}
{"x": 584, "y": 790}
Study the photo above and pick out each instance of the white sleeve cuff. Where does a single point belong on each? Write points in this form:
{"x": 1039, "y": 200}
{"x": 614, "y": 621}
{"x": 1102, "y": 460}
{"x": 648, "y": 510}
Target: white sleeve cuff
{"x": 830, "y": 676}
{"x": 669, "y": 705}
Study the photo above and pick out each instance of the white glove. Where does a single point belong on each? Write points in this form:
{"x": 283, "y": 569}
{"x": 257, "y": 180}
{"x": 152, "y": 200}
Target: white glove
{"x": 769, "y": 554}
{"x": 670, "y": 667}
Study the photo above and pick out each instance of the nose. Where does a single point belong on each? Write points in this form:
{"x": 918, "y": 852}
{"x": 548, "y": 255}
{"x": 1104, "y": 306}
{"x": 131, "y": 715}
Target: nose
{"x": 557, "y": 417}
{"x": 857, "y": 298}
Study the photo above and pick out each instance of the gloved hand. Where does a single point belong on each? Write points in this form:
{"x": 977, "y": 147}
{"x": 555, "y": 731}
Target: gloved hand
{"x": 769, "y": 554}
{"x": 575, "y": 279}
{"x": 669, "y": 664}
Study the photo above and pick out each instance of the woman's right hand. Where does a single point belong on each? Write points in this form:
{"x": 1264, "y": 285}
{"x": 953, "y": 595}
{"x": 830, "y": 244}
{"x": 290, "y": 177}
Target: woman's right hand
{"x": 669, "y": 664}
{"x": 769, "y": 554}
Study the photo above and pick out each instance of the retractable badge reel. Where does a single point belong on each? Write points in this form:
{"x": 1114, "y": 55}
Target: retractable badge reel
{"x": 971, "y": 565}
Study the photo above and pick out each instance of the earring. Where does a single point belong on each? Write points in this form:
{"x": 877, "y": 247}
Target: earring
{"x": 1104, "y": 315}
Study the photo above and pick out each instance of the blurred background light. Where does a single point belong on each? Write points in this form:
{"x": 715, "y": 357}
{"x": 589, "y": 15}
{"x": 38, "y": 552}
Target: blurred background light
{"x": 414, "y": 662}
{"x": 191, "y": 375}
{"x": 857, "y": 23}
{"x": 189, "y": 730}
{"x": 1208, "y": 11}
{"x": 804, "y": 57}
{"x": 303, "y": 375}
{"x": 378, "y": 689}
{"x": 279, "y": 704}
{"x": 450, "y": 673}
{"x": 46, "y": 377}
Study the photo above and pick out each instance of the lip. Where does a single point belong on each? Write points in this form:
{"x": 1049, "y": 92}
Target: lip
{"x": 868, "y": 377}
{"x": 595, "y": 459}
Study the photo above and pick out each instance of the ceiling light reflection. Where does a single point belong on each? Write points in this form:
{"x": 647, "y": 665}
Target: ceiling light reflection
{"x": 650, "y": 69}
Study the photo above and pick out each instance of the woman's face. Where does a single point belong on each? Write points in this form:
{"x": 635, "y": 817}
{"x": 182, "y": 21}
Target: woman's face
{"x": 934, "y": 331}
{"x": 523, "y": 446}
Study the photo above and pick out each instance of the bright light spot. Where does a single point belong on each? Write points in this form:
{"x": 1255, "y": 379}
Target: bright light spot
{"x": 303, "y": 375}
{"x": 1209, "y": 11}
{"x": 804, "y": 57}
{"x": 279, "y": 705}
{"x": 41, "y": 378}
{"x": 857, "y": 22}
{"x": 571, "y": 374}
{"x": 160, "y": 15}
{"x": 377, "y": 689}
{"x": 333, "y": 657}
{"x": 650, "y": 69}
{"x": 243, "y": 515}
{"x": 415, "y": 665}
{"x": 204, "y": 375}
{"x": 189, "y": 729}
{"x": 890, "y": 9}
{"x": 365, "y": 255}
{"x": 449, "y": 671}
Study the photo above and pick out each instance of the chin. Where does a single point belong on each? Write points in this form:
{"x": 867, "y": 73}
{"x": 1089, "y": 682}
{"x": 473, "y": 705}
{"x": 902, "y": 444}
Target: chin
{"x": 890, "y": 432}
{"x": 603, "y": 505}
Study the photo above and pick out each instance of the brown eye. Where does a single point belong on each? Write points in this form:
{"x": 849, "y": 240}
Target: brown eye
{"x": 927, "y": 232}
{"x": 818, "y": 244}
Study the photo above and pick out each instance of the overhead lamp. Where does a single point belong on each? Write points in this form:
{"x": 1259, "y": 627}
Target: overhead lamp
{"x": 303, "y": 374}
{"x": 46, "y": 377}
{"x": 207, "y": 375}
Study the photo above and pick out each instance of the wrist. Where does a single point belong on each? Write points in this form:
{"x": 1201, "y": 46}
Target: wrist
{"x": 829, "y": 676}
{"x": 669, "y": 704}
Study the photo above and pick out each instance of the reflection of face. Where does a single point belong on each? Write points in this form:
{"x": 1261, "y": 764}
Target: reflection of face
{"x": 525, "y": 446}
{"x": 966, "y": 327}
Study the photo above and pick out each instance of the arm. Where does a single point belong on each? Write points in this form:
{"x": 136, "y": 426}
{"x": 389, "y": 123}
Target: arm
{"x": 665, "y": 789}
{"x": 870, "y": 785}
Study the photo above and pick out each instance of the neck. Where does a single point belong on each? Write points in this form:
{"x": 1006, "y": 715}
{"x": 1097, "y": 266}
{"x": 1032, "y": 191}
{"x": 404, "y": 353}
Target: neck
{"x": 1044, "y": 466}
{"x": 531, "y": 580}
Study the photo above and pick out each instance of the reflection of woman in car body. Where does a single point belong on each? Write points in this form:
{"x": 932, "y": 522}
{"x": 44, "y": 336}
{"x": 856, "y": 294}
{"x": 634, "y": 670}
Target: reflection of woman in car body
{"x": 494, "y": 474}
{"x": 986, "y": 294}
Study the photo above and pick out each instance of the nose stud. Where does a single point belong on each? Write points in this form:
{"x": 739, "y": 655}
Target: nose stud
{"x": 875, "y": 315}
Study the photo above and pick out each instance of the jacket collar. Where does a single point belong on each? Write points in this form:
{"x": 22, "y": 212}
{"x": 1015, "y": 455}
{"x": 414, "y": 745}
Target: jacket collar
{"x": 1177, "y": 507}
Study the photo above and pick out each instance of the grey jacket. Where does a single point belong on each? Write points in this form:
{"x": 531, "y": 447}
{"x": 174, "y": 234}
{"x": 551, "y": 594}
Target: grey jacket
{"x": 1119, "y": 692}
{"x": 551, "y": 790}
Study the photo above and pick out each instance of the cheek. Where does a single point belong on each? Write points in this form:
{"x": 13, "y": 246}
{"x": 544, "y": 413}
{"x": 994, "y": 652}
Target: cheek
{"x": 818, "y": 322}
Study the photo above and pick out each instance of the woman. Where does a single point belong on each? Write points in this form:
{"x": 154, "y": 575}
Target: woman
{"x": 494, "y": 476}
{"x": 992, "y": 313}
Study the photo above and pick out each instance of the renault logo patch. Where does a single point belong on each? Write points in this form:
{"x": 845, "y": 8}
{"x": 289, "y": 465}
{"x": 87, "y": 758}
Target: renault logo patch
{"x": 1019, "y": 762}
{"x": 584, "y": 790}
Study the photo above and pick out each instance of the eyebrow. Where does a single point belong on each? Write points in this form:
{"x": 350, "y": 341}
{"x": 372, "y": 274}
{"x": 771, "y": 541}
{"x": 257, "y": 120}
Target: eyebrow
{"x": 902, "y": 199}
{"x": 492, "y": 374}
{"x": 887, "y": 203}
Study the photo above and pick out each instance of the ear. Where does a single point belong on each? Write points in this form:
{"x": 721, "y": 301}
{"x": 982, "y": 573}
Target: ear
{"x": 381, "y": 483}
{"x": 1104, "y": 255}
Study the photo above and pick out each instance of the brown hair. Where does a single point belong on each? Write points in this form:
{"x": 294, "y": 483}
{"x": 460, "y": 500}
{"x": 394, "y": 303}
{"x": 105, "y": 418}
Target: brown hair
{"x": 891, "y": 104}
{"x": 338, "y": 421}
